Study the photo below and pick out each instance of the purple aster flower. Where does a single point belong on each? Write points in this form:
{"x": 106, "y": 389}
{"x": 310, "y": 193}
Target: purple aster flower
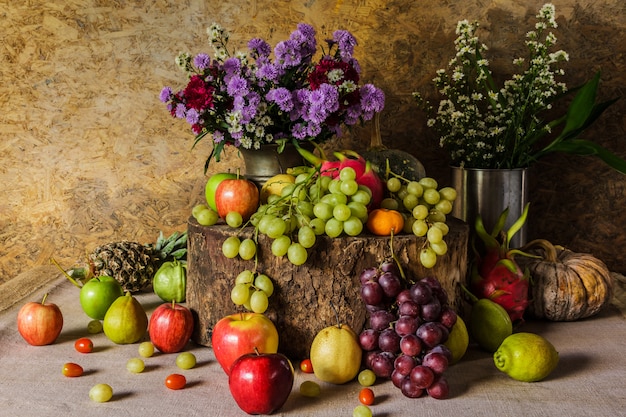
{"x": 286, "y": 53}
{"x": 372, "y": 98}
{"x": 237, "y": 86}
{"x": 166, "y": 94}
{"x": 259, "y": 48}
{"x": 313, "y": 129}
{"x": 305, "y": 36}
{"x": 193, "y": 117}
{"x": 218, "y": 136}
{"x": 282, "y": 97}
{"x": 181, "y": 110}
{"x": 232, "y": 66}
{"x": 345, "y": 42}
{"x": 298, "y": 131}
{"x": 269, "y": 72}
{"x": 202, "y": 61}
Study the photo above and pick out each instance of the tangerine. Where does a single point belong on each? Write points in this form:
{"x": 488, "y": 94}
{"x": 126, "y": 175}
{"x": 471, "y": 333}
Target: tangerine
{"x": 383, "y": 222}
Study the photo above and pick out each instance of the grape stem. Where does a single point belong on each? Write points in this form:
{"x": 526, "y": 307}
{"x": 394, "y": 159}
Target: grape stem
{"x": 395, "y": 257}
{"x": 72, "y": 280}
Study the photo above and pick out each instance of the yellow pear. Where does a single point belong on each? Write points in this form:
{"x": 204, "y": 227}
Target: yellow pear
{"x": 336, "y": 354}
{"x": 125, "y": 321}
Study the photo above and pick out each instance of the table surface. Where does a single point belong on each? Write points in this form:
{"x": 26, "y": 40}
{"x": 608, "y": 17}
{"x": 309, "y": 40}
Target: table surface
{"x": 589, "y": 380}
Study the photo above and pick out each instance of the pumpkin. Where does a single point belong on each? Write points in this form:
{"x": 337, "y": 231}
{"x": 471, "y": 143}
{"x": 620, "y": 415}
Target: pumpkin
{"x": 565, "y": 285}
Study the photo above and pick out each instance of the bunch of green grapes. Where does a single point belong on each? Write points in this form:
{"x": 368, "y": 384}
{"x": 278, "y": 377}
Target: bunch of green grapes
{"x": 425, "y": 208}
{"x": 252, "y": 291}
{"x": 314, "y": 205}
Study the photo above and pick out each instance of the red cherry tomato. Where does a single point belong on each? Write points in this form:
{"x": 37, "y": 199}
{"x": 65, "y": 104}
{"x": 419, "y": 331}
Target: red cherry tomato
{"x": 175, "y": 381}
{"x": 83, "y": 345}
{"x": 72, "y": 370}
{"x": 306, "y": 366}
{"x": 366, "y": 396}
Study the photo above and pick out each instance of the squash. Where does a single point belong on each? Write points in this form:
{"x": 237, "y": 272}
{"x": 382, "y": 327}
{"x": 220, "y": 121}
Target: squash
{"x": 565, "y": 286}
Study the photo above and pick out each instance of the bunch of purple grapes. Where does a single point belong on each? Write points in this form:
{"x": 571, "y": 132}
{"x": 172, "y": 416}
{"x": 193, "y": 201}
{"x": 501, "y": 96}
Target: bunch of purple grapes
{"x": 407, "y": 327}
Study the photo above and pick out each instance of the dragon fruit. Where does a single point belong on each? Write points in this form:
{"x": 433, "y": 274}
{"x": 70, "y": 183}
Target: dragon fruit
{"x": 365, "y": 174}
{"x": 495, "y": 274}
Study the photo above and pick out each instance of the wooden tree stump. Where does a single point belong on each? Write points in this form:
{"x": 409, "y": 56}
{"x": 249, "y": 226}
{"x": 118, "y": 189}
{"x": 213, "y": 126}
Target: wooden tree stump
{"x": 304, "y": 295}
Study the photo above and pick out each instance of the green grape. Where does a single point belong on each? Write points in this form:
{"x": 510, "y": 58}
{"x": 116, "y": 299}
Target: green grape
{"x": 101, "y": 393}
{"x": 318, "y": 225}
{"x": 366, "y": 189}
{"x": 410, "y": 201}
{"x": 353, "y": 226}
{"x": 367, "y": 377}
{"x": 444, "y": 206}
{"x": 297, "y": 254}
{"x": 305, "y": 208}
{"x": 264, "y": 283}
{"x": 334, "y": 186}
{"x": 393, "y": 184}
{"x": 247, "y": 249}
{"x": 323, "y": 210}
{"x": 448, "y": 193}
{"x": 444, "y": 227}
{"x": 245, "y": 277}
{"x": 361, "y": 196}
{"x": 186, "y": 360}
{"x": 420, "y": 212}
{"x": 434, "y": 235}
{"x": 302, "y": 220}
{"x": 310, "y": 389}
{"x": 306, "y": 236}
{"x": 402, "y": 193}
{"x": 342, "y": 212}
{"x": 324, "y": 181}
{"x": 94, "y": 326}
{"x": 361, "y": 411}
{"x": 420, "y": 228}
{"x": 428, "y": 257}
{"x": 349, "y": 187}
{"x": 240, "y": 294}
{"x": 333, "y": 228}
{"x": 408, "y": 224}
{"x": 440, "y": 248}
{"x": 431, "y": 196}
{"x": 280, "y": 245}
{"x": 273, "y": 198}
{"x": 197, "y": 209}
{"x": 436, "y": 216}
{"x": 288, "y": 190}
{"x": 428, "y": 182}
{"x": 264, "y": 222}
{"x": 207, "y": 217}
{"x": 276, "y": 228}
{"x": 259, "y": 301}
{"x": 389, "y": 203}
{"x": 146, "y": 349}
{"x": 233, "y": 219}
{"x": 135, "y": 365}
{"x": 358, "y": 210}
{"x": 347, "y": 173}
{"x": 230, "y": 247}
{"x": 415, "y": 188}
{"x": 334, "y": 198}
{"x": 301, "y": 178}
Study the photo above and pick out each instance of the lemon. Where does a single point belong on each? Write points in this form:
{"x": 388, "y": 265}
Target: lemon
{"x": 526, "y": 357}
{"x": 336, "y": 354}
{"x": 489, "y": 324}
{"x": 458, "y": 340}
{"x": 275, "y": 185}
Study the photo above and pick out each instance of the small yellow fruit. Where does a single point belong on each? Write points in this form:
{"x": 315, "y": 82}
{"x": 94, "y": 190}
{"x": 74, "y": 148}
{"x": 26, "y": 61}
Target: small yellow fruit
{"x": 275, "y": 185}
{"x": 336, "y": 354}
{"x": 458, "y": 340}
{"x": 526, "y": 357}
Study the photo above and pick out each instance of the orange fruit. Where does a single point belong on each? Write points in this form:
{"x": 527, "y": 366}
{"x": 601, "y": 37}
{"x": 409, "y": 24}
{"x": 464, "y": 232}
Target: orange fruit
{"x": 383, "y": 221}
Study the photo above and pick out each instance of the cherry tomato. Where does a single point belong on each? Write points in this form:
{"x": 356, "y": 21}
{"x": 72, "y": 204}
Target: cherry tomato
{"x": 83, "y": 345}
{"x": 72, "y": 370}
{"x": 366, "y": 396}
{"x": 175, "y": 381}
{"x": 306, "y": 366}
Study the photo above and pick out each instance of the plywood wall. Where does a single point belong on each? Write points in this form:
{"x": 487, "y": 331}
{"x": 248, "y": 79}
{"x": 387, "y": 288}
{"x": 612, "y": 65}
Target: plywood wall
{"x": 89, "y": 155}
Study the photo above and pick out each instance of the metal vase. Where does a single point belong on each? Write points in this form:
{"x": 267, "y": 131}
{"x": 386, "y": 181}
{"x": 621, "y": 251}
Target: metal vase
{"x": 262, "y": 164}
{"x": 489, "y": 192}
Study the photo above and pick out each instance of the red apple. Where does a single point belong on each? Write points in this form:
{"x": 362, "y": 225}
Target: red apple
{"x": 260, "y": 383}
{"x": 40, "y": 323}
{"x": 238, "y": 195}
{"x": 211, "y": 186}
{"x": 170, "y": 327}
{"x": 239, "y": 334}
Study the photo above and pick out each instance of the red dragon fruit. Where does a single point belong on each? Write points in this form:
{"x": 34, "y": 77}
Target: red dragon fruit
{"x": 365, "y": 174}
{"x": 495, "y": 274}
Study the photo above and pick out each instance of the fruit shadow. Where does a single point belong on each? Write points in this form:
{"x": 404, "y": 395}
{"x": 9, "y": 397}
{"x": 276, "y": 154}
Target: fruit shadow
{"x": 571, "y": 365}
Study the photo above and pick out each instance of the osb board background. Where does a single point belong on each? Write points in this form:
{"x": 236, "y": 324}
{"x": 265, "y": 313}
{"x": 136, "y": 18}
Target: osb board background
{"x": 89, "y": 154}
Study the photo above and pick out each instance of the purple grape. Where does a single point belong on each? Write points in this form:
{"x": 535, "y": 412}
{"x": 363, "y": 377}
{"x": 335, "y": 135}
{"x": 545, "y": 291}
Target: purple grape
{"x": 439, "y": 390}
{"x": 403, "y": 296}
{"x": 372, "y": 293}
{"x": 421, "y": 293}
{"x": 432, "y": 282}
{"x": 411, "y": 345}
{"x": 441, "y": 295}
{"x": 444, "y": 350}
{"x": 368, "y": 357}
{"x": 406, "y": 325}
{"x": 431, "y": 311}
{"x": 382, "y": 364}
{"x": 448, "y": 317}
{"x": 422, "y": 376}
{"x": 380, "y": 320}
{"x": 377, "y": 307}
{"x": 445, "y": 333}
{"x": 430, "y": 334}
{"x": 409, "y": 308}
{"x": 436, "y": 361}
{"x": 389, "y": 341}
{"x": 404, "y": 364}
{"x": 368, "y": 339}
{"x": 369, "y": 274}
{"x": 389, "y": 266}
{"x": 397, "y": 378}
{"x": 410, "y": 389}
{"x": 390, "y": 284}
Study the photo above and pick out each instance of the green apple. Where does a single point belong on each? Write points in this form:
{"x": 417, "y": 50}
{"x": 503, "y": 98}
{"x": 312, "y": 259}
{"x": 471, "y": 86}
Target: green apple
{"x": 97, "y": 295}
{"x": 211, "y": 186}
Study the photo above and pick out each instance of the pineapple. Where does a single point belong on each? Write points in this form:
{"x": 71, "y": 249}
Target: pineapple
{"x": 132, "y": 264}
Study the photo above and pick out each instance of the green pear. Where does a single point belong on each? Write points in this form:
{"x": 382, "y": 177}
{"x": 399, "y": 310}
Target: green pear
{"x": 125, "y": 321}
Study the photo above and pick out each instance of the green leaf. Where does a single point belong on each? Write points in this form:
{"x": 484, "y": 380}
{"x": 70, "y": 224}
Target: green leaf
{"x": 581, "y": 107}
{"x": 584, "y": 147}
